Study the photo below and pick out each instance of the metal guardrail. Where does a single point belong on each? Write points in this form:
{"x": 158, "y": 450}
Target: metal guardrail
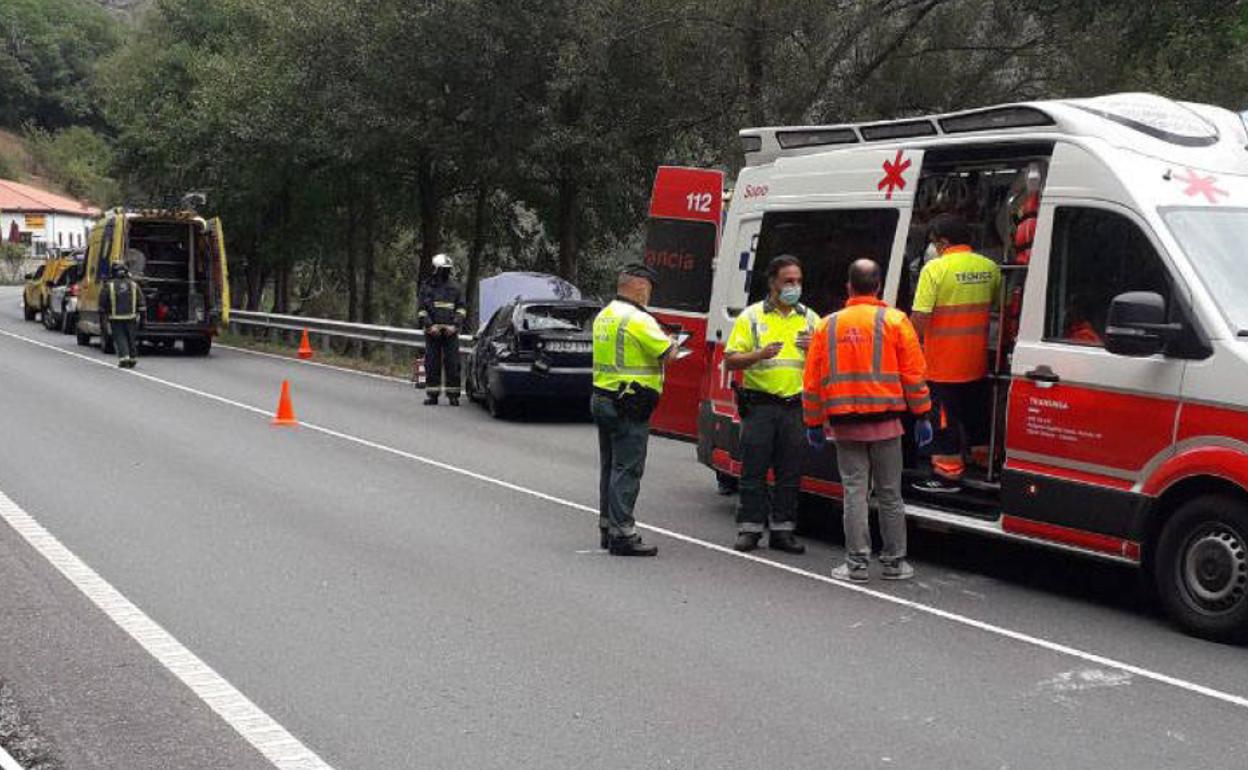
{"x": 389, "y": 335}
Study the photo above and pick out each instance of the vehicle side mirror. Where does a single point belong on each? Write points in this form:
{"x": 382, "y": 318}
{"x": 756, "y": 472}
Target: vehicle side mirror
{"x": 1136, "y": 325}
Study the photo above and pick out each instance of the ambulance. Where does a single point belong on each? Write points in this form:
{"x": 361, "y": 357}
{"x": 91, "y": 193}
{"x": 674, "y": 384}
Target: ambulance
{"x": 1119, "y": 351}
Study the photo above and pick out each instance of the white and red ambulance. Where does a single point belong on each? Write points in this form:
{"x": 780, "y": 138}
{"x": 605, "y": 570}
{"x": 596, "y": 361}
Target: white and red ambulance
{"x": 682, "y": 239}
{"x": 1120, "y": 354}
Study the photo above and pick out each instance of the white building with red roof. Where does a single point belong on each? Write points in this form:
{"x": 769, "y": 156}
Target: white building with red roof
{"x": 48, "y": 223}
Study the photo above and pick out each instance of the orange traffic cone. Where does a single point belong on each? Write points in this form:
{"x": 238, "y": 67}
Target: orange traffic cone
{"x": 305, "y": 350}
{"x": 285, "y": 412}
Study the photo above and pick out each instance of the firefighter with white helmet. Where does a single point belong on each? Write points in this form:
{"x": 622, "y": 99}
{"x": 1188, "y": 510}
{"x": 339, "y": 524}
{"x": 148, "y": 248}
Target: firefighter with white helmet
{"x": 441, "y": 314}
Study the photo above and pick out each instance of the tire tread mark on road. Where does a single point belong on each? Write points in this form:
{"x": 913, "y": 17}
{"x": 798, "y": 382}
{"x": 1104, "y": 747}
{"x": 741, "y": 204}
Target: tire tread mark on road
{"x": 953, "y": 617}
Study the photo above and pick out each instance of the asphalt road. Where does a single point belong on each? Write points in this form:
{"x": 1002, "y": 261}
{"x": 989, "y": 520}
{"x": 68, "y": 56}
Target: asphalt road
{"x": 392, "y": 592}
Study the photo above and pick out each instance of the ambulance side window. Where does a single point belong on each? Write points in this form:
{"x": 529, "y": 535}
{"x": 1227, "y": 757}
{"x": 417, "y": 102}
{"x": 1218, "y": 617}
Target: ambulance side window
{"x": 826, "y": 242}
{"x": 1096, "y": 255}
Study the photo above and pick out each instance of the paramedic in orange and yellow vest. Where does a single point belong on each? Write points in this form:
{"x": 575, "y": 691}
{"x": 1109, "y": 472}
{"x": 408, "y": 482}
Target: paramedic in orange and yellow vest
{"x": 951, "y": 312}
{"x": 864, "y": 372}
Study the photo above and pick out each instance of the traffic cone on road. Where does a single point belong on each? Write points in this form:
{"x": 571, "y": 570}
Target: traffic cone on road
{"x": 305, "y": 350}
{"x": 285, "y": 411}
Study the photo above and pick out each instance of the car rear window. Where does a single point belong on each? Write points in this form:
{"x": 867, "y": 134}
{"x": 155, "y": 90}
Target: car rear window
{"x": 558, "y": 317}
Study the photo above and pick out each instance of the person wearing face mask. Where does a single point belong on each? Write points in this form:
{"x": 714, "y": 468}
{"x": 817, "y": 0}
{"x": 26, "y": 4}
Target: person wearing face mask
{"x": 951, "y": 313}
{"x": 441, "y": 314}
{"x": 769, "y": 342}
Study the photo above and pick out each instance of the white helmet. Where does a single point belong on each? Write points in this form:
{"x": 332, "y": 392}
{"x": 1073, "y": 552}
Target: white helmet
{"x": 441, "y": 261}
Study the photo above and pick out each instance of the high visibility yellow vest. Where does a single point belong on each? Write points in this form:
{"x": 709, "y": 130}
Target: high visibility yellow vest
{"x": 760, "y": 325}
{"x": 629, "y": 346}
{"x": 959, "y": 290}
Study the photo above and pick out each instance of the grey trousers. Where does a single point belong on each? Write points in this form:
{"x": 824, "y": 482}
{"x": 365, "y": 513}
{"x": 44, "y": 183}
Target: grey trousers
{"x": 622, "y": 445}
{"x": 860, "y": 463}
{"x": 772, "y": 437}
{"x": 123, "y": 338}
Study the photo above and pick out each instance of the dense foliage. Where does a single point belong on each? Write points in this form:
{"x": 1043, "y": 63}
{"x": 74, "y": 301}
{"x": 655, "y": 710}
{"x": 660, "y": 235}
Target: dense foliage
{"x": 347, "y": 141}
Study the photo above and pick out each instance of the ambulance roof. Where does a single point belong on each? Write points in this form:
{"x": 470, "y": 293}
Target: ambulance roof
{"x": 1200, "y": 134}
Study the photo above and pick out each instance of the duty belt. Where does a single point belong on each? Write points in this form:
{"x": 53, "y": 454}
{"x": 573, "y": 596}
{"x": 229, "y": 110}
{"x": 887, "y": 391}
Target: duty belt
{"x": 758, "y": 397}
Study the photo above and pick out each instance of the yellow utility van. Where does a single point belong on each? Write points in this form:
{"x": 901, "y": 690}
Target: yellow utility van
{"x": 179, "y": 261}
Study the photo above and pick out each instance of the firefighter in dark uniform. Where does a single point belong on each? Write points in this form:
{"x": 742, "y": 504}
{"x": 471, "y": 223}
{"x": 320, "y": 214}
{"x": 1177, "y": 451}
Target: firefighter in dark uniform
{"x": 122, "y": 303}
{"x": 441, "y": 315}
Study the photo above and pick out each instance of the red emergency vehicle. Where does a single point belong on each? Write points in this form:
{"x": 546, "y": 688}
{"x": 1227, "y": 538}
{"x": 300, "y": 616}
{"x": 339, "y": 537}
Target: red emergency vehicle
{"x": 1121, "y": 348}
{"x": 682, "y": 239}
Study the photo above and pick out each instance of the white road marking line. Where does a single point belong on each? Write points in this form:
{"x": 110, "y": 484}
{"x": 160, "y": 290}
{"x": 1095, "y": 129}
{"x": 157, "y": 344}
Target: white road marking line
{"x": 293, "y": 360}
{"x": 254, "y": 725}
{"x": 7, "y": 762}
{"x": 953, "y": 617}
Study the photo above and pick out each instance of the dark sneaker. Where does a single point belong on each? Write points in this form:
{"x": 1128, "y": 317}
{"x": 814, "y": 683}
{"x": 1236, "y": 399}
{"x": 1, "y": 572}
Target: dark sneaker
{"x": 785, "y": 541}
{"x": 898, "y": 570}
{"x": 631, "y": 546}
{"x": 121, "y": 363}
{"x": 851, "y": 574}
{"x": 747, "y": 541}
{"x": 937, "y": 486}
{"x": 604, "y": 539}
{"x": 431, "y": 400}
{"x": 454, "y": 400}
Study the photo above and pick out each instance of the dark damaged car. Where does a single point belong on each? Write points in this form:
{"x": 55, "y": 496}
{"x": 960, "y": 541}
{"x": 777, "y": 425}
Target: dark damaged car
{"x": 534, "y": 352}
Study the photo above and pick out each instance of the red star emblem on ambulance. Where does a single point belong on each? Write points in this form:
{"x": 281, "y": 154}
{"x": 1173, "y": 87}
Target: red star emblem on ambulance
{"x": 1201, "y": 185}
{"x": 894, "y": 179}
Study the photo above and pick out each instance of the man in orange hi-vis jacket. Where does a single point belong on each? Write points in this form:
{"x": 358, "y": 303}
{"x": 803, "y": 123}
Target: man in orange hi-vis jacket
{"x": 952, "y": 311}
{"x": 864, "y": 370}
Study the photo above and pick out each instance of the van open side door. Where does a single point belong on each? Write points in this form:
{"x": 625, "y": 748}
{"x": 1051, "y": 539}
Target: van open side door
{"x": 219, "y": 272}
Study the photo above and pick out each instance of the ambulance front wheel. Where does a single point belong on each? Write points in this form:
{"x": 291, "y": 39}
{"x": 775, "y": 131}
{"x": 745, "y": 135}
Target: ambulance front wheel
{"x": 1202, "y": 568}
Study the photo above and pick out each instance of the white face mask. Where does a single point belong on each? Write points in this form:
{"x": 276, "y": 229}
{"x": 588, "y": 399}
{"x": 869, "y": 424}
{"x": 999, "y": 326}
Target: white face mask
{"x": 931, "y": 253}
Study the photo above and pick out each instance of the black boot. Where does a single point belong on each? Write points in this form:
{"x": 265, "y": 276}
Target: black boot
{"x": 431, "y": 399}
{"x": 785, "y": 541}
{"x": 604, "y": 538}
{"x": 747, "y": 541}
{"x": 631, "y": 545}
{"x": 454, "y": 400}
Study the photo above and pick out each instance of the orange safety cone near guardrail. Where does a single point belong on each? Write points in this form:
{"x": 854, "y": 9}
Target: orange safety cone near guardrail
{"x": 305, "y": 350}
{"x": 285, "y": 411}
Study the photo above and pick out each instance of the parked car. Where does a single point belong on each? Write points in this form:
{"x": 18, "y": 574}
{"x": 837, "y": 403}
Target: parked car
{"x": 533, "y": 351}
{"x": 62, "y": 308}
{"x": 35, "y": 291}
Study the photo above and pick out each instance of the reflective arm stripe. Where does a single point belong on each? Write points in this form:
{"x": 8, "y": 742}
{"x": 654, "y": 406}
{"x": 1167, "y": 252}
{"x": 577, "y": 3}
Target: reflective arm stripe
{"x": 644, "y": 370}
{"x": 916, "y": 387}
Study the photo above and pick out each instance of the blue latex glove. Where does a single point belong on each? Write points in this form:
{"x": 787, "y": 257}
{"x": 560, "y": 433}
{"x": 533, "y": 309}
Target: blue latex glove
{"x": 923, "y": 433}
{"x": 816, "y": 438}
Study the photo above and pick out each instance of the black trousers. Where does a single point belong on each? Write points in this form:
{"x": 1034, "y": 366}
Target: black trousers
{"x": 442, "y": 364}
{"x": 772, "y": 437}
{"x": 123, "y": 338}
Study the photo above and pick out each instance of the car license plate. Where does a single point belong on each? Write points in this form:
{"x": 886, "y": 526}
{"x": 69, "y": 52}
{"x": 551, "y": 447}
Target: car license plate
{"x": 566, "y": 346}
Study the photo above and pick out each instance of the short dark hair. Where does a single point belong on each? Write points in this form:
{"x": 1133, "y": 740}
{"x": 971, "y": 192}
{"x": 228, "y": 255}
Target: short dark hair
{"x": 781, "y": 262}
{"x": 864, "y": 276}
{"x": 949, "y": 227}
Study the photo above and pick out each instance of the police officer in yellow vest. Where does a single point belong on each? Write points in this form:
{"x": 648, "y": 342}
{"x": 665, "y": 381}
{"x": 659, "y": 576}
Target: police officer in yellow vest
{"x": 122, "y": 303}
{"x": 630, "y": 349}
{"x": 769, "y": 342}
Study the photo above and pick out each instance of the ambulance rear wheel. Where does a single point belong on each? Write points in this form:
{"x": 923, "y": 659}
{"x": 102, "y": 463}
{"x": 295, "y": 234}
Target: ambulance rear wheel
{"x": 1202, "y": 568}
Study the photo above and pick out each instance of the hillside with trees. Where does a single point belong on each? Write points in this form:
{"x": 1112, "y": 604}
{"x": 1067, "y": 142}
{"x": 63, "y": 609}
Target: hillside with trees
{"x": 347, "y": 141}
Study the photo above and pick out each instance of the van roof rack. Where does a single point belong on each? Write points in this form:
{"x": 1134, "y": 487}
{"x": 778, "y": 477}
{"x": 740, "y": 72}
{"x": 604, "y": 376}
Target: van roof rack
{"x": 1155, "y": 116}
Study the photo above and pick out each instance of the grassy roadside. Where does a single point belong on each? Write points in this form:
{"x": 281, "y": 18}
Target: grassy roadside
{"x": 382, "y": 360}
